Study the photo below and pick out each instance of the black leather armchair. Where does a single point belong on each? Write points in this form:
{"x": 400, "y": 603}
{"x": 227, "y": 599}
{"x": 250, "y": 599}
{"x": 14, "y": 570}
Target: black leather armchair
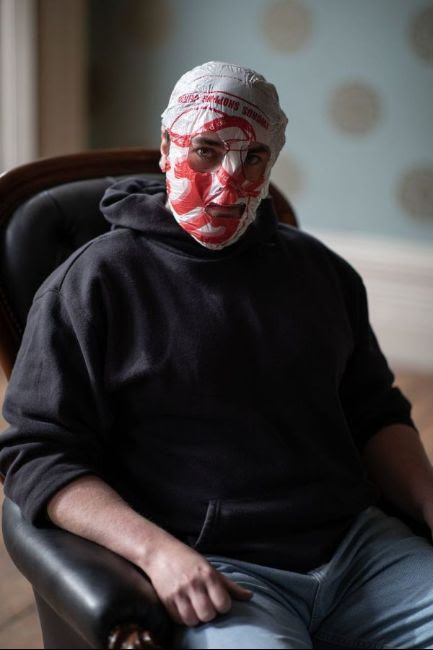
{"x": 87, "y": 596}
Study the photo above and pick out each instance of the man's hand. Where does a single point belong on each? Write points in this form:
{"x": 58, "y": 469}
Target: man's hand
{"x": 189, "y": 587}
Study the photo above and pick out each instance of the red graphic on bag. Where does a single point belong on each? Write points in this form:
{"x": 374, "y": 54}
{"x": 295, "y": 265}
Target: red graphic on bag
{"x": 201, "y": 193}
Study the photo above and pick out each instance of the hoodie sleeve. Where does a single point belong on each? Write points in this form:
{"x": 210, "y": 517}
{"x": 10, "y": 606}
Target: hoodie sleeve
{"x": 370, "y": 400}
{"x": 55, "y": 405}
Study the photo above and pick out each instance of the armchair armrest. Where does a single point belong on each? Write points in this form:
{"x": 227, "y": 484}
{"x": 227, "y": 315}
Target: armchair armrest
{"x": 91, "y": 588}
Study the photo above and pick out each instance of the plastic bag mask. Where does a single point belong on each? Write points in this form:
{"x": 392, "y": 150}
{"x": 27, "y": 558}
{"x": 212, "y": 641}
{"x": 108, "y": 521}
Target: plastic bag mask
{"x": 220, "y": 150}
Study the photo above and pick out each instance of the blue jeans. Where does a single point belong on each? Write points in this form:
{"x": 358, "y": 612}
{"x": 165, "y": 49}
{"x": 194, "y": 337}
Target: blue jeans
{"x": 375, "y": 592}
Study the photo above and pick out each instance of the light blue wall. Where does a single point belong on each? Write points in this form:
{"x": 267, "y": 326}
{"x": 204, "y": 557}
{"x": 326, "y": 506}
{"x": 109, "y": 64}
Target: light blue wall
{"x": 336, "y": 180}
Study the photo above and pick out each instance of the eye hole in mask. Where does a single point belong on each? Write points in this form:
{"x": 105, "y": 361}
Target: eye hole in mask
{"x": 206, "y": 154}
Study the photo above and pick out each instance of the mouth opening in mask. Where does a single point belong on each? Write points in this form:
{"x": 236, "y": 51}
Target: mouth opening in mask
{"x": 216, "y": 210}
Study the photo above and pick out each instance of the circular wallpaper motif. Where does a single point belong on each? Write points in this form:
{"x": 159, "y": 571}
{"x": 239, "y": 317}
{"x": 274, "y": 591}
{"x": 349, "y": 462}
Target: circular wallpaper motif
{"x": 355, "y": 107}
{"x": 421, "y": 34}
{"x": 287, "y": 25}
{"x": 415, "y": 191}
{"x": 288, "y": 176}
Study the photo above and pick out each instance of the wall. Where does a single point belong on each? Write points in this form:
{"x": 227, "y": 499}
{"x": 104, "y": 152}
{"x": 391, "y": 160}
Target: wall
{"x": 62, "y": 76}
{"x": 355, "y": 79}
{"x": 18, "y": 92}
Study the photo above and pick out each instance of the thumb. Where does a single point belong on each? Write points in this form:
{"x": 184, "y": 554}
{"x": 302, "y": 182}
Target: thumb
{"x": 236, "y": 590}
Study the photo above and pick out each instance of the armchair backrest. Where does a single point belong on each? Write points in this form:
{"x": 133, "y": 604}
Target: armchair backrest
{"x": 50, "y": 208}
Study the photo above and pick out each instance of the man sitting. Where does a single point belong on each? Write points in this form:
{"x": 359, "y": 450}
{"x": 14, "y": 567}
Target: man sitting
{"x": 200, "y": 391}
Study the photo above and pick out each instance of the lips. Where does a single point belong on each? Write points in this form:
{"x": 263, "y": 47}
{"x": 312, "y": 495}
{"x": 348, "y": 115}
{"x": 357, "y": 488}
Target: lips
{"x": 217, "y": 211}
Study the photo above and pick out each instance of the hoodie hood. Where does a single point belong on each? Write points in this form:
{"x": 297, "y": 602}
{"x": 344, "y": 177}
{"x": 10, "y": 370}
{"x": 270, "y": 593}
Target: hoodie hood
{"x": 140, "y": 204}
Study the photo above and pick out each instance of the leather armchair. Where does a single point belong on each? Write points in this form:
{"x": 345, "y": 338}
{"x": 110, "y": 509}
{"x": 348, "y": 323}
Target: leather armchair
{"x": 87, "y": 596}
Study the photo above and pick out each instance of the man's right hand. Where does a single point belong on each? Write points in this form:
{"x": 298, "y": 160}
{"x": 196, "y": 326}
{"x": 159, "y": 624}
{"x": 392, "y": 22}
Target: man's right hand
{"x": 189, "y": 587}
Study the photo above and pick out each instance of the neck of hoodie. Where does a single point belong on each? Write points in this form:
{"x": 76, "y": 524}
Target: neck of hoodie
{"x": 140, "y": 205}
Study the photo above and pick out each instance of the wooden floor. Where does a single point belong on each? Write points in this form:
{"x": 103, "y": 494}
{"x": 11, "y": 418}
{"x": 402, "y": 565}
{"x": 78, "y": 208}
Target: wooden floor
{"x": 19, "y": 626}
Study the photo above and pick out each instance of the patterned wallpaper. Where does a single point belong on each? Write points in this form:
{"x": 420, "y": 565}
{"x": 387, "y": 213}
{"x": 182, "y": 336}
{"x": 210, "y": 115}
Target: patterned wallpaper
{"x": 355, "y": 78}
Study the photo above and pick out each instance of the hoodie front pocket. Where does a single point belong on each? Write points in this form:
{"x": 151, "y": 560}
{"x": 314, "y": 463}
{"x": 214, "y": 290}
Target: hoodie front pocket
{"x": 235, "y": 523}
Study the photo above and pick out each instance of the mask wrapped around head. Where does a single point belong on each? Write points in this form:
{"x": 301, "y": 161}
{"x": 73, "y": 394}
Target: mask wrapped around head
{"x": 224, "y": 129}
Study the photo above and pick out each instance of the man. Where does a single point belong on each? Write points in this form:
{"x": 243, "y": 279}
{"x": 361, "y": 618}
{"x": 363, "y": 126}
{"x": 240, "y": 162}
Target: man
{"x": 200, "y": 391}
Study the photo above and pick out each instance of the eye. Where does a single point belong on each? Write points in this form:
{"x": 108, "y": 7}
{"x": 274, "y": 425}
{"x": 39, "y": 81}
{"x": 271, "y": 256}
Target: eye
{"x": 253, "y": 159}
{"x": 203, "y": 157}
{"x": 205, "y": 152}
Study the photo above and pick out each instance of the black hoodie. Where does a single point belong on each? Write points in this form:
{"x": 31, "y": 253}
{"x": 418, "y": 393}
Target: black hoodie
{"x": 226, "y": 395}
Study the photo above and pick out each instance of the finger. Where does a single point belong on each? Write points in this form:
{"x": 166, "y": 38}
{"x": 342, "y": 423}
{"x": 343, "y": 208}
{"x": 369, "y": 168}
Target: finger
{"x": 218, "y": 593}
{"x": 173, "y": 612}
{"x": 186, "y": 610}
{"x": 236, "y": 590}
{"x": 202, "y": 604}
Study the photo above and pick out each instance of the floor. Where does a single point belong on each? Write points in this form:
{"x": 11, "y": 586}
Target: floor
{"x": 19, "y": 626}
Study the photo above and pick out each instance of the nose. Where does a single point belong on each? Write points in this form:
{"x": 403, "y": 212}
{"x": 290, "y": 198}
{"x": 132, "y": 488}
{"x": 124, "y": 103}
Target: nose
{"x": 231, "y": 164}
{"x": 230, "y": 178}
{"x": 228, "y": 191}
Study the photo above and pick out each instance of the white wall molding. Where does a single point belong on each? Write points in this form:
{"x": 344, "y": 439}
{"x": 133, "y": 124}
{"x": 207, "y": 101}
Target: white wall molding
{"x": 399, "y": 280}
{"x": 18, "y": 91}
